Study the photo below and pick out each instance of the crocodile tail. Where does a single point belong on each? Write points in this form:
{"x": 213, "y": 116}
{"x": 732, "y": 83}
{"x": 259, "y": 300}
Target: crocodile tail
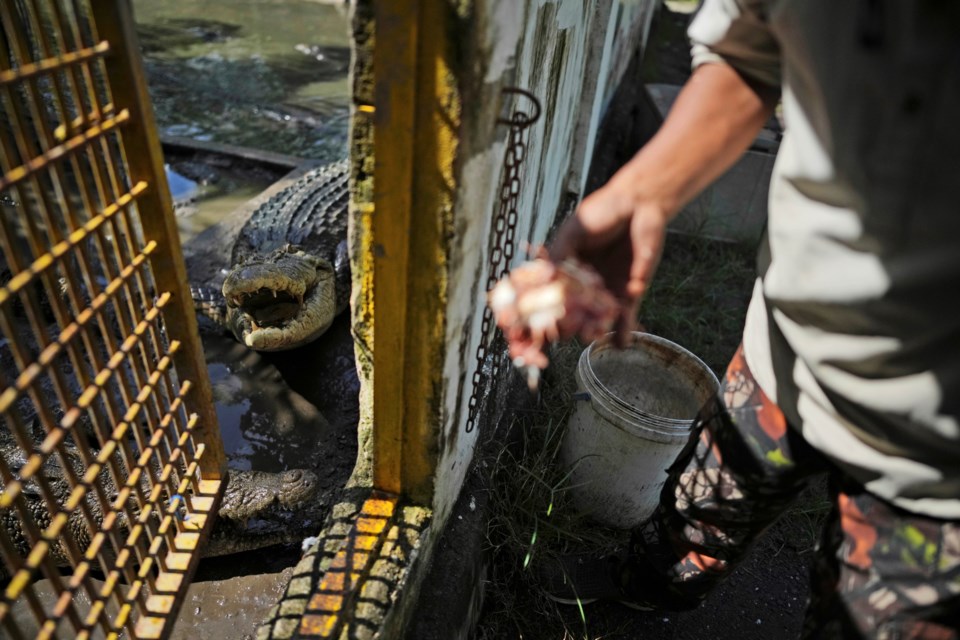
{"x": 209, "y": 303}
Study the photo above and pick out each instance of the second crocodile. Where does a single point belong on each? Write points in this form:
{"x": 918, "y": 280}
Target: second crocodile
{"x": 257, "y": 510}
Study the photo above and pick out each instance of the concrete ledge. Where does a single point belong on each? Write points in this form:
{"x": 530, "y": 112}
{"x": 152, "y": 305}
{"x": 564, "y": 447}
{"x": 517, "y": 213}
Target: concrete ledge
{"x": 347, "y": 582}
{"x": 246, "y": 154}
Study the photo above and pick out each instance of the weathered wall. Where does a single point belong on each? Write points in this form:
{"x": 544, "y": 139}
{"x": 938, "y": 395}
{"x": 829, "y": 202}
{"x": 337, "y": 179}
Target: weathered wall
{"x": 570, "y": 54}
{"x": 628, "y": 29}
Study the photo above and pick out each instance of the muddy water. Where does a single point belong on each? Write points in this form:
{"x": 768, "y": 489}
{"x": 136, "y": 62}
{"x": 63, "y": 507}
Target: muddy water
{"x": 276, "y": 411}
{"x": 225, "y": 609}
{"x": 270, "y": 75}
{"x": 213, "y": 201}
{"x": 264, "y": 74}
{"x": 267, "y": 74}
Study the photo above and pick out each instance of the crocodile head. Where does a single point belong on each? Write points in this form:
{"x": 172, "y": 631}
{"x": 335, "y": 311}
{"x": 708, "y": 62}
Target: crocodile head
{"x": 259, "y": 509}
{"x": 258, "y": 494}
{"x": 280, "y": 301}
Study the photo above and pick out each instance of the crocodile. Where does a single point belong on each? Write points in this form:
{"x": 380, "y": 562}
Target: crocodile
{"x": 289, "y": 273}
{"x": 258, "y": 509}
{"x": 289, "y": 279}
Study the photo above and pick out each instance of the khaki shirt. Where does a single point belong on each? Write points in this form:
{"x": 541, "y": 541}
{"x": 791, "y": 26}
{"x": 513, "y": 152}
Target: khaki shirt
{"x": 854, "y": 326}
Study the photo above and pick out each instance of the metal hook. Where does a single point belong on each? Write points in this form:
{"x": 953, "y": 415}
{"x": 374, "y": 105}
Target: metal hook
{"x": 520, "y": 118}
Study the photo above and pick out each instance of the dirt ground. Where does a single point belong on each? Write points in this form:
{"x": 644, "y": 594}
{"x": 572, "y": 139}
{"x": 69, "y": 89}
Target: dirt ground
{"x": 763, "y": 599}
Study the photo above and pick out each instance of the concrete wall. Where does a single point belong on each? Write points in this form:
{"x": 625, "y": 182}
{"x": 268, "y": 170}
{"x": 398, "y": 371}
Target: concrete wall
{"x": 571, "y": 55}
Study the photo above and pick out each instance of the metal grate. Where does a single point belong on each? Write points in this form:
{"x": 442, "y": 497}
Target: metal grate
{"x": 111, "y": 459}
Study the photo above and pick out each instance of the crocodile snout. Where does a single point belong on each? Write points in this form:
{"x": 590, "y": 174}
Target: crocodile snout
{"x": 298, "y": 485}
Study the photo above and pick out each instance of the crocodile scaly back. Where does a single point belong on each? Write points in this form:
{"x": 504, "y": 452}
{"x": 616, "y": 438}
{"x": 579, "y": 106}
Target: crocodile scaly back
{"x": 311, "y": 213}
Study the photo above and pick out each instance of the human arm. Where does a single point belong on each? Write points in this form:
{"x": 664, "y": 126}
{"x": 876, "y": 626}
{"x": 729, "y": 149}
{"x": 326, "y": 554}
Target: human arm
{"x": 619, "y": 229}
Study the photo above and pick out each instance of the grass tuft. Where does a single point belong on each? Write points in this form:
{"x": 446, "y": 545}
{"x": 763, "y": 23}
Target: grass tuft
{"x": 699, "y": 297}
{"x": 532, "y": 518}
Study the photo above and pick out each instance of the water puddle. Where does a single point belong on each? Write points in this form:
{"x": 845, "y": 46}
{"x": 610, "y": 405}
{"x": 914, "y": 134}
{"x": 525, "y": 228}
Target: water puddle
{"x": 203, "y": 200}
{"x": 230, "y": 608}
{"x": 217, "y": 190}
{"x": 274, "y": 413}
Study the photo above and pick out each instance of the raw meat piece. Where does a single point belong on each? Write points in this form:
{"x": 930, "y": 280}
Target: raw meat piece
{"x": 541, "y": 302}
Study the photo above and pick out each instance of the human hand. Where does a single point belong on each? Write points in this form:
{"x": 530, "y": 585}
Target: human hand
{"x": 540, "y": 302}
{"x": 621, "y": 237}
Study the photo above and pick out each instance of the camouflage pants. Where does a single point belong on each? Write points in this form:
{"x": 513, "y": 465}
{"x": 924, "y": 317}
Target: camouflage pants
{"x": 880, "y": 572}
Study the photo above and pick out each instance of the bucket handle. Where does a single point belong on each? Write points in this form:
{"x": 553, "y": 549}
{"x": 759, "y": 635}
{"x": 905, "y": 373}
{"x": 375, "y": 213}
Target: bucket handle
{"x": 581, "y": 395}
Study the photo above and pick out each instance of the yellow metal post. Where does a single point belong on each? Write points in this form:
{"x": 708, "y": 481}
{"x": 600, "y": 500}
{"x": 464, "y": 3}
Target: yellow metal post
{"x": 415, "y": 120}
{"x": 394, "y": 64}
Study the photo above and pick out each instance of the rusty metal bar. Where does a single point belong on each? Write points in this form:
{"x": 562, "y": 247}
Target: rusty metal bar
{"x": 9, "y": 76}
{"x": 18, "y": 174}
{"x": 145, "y": 162}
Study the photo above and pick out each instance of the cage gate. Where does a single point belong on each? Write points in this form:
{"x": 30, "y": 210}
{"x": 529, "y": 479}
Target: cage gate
{"x": 110, "y": 453}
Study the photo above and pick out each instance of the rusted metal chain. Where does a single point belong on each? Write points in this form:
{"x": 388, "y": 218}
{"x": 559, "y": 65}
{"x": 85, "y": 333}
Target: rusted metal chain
{"x": 502, "y": 247}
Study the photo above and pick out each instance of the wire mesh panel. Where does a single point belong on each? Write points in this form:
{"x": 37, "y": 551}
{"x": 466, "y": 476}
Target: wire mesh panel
{"x": 109, "y": 450}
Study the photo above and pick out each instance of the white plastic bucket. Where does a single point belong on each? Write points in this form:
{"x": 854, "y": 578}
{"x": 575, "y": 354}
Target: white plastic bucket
{"x": 634, "y": 410}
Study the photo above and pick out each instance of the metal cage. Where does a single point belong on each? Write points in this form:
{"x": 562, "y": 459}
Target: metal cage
{"x": 111, "y": 456}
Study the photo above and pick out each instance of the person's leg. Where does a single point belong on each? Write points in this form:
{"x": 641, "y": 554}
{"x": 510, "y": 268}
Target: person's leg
{"x": 885, "y": 573}
{"x": 741, "y": 471}
{"x": 742, "y": 468}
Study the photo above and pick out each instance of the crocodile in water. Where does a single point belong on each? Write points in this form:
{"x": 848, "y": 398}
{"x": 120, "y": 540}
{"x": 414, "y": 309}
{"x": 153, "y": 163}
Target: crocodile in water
{"x": 258, "y": 509}
{"x": 289, "y": 274}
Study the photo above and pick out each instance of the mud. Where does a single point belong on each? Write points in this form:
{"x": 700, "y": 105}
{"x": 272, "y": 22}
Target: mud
{"x": 207, "y": 189}
{"x": 231, "y": 608}
{"x": 213, "y": 610}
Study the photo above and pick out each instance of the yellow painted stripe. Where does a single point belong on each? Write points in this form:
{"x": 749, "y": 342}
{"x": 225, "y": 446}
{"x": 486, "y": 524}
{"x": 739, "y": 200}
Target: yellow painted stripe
{"x": 337, "y": 592}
